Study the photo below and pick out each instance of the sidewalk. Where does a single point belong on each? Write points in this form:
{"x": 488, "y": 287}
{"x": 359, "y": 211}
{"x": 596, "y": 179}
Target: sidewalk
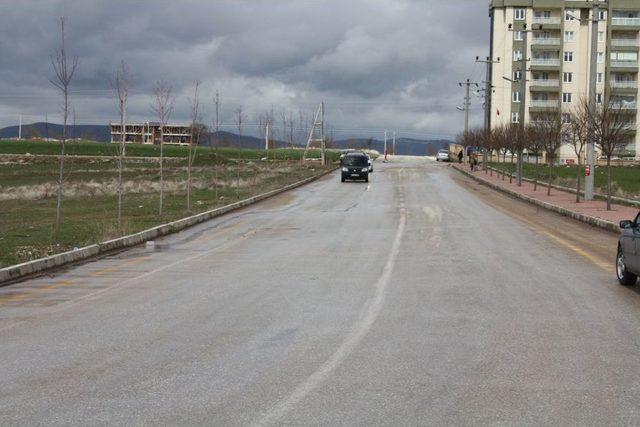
{"x": 592, "y": 212}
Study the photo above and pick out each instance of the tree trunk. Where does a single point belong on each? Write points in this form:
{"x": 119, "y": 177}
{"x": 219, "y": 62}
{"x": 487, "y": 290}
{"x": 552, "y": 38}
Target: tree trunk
{"x": 578, "y": 182}
{"x": 189, "y": 181}
{"x": 491, "y": 160}
{"x": 120, "y": 161}
{"x": 608, "y": 183}
{"x": 161, "y": 167}
{"x": 535, "y": 175}
{"x": 61, "y": 168}
{"x": 550, "y": 175}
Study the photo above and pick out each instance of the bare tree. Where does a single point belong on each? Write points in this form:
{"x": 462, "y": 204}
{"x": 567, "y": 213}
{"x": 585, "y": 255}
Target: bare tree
{"x": 611, "y": 124}
{"x": 162, "y": 107}
{"x": 197, "y": 130}
{"x": 577, "y": 131}
{"x": 535, "y": 145}
{"x": 549, "y": 129}
{"x": 239, "y": 119}
{"x": 64, "y": 70}
{"x": 122, "y": 92}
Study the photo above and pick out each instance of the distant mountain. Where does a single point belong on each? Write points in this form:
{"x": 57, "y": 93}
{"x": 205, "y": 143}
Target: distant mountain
{"x": 405, "y": 146}
{"x": 98, "y": 133}
{"x": 101, "y": 133}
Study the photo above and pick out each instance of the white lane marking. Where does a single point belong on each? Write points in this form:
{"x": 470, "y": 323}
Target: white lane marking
{"x": 357, "y": 333}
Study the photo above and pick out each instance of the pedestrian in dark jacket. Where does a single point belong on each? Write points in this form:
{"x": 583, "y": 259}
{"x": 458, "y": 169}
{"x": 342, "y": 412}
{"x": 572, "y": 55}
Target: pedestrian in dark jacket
{"x": 460, "y": 156}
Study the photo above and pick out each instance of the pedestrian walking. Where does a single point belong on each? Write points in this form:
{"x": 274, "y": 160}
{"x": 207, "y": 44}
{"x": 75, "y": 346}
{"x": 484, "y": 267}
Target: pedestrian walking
{"x": 460, "y": 156}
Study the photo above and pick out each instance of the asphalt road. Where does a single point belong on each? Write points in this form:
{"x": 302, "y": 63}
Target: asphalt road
{"x": 418, "y": 298}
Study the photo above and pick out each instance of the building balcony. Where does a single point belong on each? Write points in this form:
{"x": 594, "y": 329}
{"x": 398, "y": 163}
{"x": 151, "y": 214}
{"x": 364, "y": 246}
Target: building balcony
{"x": 545, "y": 41}
{"x": 627, "y": 106}
{"x": 539, "y": 85}
{"x": 545, "y": 62}
{"x": 625, "y": 22}
{"x": 623, "y": 84}
{"x": 543, "y": 105}
{"x": 624, "y": 64}
{"x": 625, "y": 42}
{"x": 554, "y": 20}
{"x": 545, "y": 83}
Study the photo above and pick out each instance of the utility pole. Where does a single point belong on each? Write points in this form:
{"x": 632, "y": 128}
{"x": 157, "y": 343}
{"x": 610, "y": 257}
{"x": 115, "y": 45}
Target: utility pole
{"x": 467, "y": 104}
{"x": 317, "y": 134}
{"x": 523, "y": 100}
{"x": 590, "y": 169}
{"x": 393, "y": 144}
{"x": 217, "y": 123}
{"x": 385, "y": 145}
{"x": 488, "y": 90}
{"x": 266, "y": 136}
{"x": 523, "y": 89}
{"x": 20, "y": 127}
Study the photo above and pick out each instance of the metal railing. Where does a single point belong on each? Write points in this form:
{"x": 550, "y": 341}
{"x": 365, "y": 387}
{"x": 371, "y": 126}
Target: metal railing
{"x": 623, "y": 84}
{"x": 545, "y": 83}
{"x": 544, "y": 103}
{"x": 542, "y": 20}
{"x": 625, "y": 42}
{"x": 627, "y": 22}
{"x": 624, "y": 64}
{"x": 546, "y": 62}
{"x": 631, "y": 105}
{"x": 545, "y": 41}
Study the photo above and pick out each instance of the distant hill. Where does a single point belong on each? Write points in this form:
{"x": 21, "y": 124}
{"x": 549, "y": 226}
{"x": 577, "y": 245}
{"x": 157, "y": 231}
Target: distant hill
{"x": 98, "y": 133}
{"x": 405, "y": 146}
{"x": 101, "y": 133}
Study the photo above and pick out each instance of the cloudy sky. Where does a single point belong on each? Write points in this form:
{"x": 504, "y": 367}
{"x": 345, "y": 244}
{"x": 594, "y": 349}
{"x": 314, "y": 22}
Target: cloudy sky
{"x": 389, "y": 64}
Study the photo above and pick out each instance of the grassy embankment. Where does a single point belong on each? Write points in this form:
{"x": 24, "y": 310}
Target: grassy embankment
{"x": 625, "y": 179}
{"x": 89, "y": 208}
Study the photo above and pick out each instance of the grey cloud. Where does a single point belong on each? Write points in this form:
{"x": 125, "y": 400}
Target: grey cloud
{"x": 378, "y": 64}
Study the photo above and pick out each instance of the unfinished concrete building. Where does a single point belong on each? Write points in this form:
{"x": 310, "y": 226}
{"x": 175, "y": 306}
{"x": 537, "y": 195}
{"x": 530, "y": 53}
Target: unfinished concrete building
{"x": 150, "y": 133}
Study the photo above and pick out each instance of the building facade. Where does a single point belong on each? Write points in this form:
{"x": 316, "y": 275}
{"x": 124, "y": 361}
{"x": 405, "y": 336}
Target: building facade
{"x": 150, "y": 133}
{"x": 558, "y": 54}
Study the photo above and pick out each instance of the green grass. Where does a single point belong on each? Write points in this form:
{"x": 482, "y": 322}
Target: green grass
{"x": 89, "y": 208}
{"x": 625, "y": 179}
{"x": 86, "y": 148}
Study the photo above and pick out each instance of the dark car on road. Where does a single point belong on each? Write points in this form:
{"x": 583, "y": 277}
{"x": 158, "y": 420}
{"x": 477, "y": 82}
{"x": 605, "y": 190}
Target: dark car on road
{"x": 628, "y": 258}
{"x": 355, "y": 166}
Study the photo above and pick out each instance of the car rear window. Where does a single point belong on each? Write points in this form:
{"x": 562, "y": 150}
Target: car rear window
{"x": 355, "y": 161}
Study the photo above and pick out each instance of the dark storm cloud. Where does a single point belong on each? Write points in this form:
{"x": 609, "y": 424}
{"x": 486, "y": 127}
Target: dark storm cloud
{"x": 378, "y": 64}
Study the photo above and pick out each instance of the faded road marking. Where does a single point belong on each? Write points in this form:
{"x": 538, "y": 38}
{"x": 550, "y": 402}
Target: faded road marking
{"x": 369, "y": 314}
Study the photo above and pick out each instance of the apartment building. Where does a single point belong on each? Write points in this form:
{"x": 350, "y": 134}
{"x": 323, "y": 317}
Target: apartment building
{"x": 558, "y": 46}
{"x": 149, "y": 133}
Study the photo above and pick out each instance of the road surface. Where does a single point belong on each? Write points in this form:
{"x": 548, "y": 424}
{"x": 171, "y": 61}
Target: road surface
{"x": 418, "y": 298}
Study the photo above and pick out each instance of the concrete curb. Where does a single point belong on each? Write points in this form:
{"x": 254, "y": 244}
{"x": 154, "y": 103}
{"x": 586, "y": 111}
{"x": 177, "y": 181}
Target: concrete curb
{"x": 599, "y": 196}
{"x": 19, "y": 271}
{"x": 596, "y": 222}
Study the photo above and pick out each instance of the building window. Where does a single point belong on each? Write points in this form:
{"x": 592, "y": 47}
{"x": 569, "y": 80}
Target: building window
{"x": 568, "y": 36}
{"x": 546, "y": 14}
{"x": 601, "y": 36}
{"x": 599, "y": 98}
{"x": 599, "y": 77}
{"x": 519, "y": 14}
{"x": 602, "y": 15}
{"x": 516, "y": 96}
{"x": 568, "y": 15}
{"x": 515, "y": 117}
{"x": 568, "y": 56}
{"x": 517, "y": 35}
{"x": 566, "y": 118}
{"x": 600, "y": 57}
{"x": 566, "y": 97}
{"x": 567, "y": 77}
{"x": 517, "y": 55}
{"x": 516, "y": 76}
